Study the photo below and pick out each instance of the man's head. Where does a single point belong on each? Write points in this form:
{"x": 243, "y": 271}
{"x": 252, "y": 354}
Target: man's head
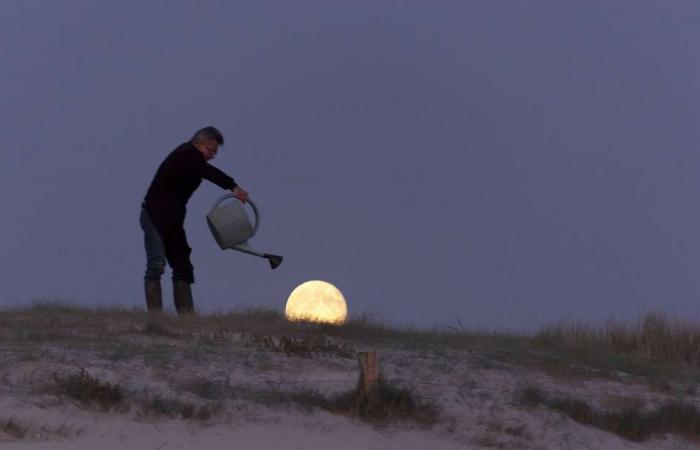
{"x": 207, "y": 141}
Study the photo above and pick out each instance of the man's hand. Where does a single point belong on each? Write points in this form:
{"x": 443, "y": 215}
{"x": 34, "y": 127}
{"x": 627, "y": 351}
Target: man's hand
{"x": 240, "y": 194}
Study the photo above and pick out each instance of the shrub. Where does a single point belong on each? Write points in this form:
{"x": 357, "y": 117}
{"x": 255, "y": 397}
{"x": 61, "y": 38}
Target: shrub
{"x": 13, "y": 428}
{"x": 631, "y": 423}
{"x": 384, "y": 403}
{"x": 172, "y": 407}
{"x": 89, "y": 390}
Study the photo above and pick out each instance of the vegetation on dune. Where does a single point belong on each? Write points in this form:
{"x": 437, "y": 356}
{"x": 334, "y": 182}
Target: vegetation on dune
{"x": 632, "y": 423}
{"x": 387, "y": 403}
{"x": 656, "y": 346}
{"x": 661, "y": 351}
{"x": 89, "y": 390}
{"x": 13, "y": 428}
{"x": 158, "y": 405}
{"x": 656, "y": 338}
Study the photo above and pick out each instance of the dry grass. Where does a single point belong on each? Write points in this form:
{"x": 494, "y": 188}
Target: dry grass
{"x": 20, "y": 430}
{"x": 89, "y": 390}
{"x": 206, "y": 389}
{"x": 269, "y": 396}
{"x": 654, "y": 338}
{"x": 612, "y": 402}
{"x": 385, "y": 404}
{"x": 13, "y": 428}
{"x": 630, "y": 422}
{"x": 499, "y": 435}
{"x": 656, "y": 347}
{"x": 304, "y": 347}
{"x": 171, "y": 407}
{"x": 92, "y": 392}
{"x": 653, "y": 346}
{"x": 46, "y": 321}
{"x": 306, "y": 399}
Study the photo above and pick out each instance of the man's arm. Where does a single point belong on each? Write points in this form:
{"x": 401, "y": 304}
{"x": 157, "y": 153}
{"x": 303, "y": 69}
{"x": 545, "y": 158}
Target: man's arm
{"x": 224, "y": 181}
{"x": 216, "y": 176}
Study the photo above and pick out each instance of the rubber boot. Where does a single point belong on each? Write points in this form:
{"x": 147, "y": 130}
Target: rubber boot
{"x": 154, "y": 296}
{"x": 182, "y": 294}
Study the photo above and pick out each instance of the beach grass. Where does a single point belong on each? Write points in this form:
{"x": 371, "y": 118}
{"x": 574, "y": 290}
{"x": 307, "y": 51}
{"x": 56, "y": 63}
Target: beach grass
{"x": 660, "y": 351}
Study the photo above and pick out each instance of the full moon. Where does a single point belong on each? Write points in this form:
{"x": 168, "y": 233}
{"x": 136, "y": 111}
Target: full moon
{"x": 316, "y": 301}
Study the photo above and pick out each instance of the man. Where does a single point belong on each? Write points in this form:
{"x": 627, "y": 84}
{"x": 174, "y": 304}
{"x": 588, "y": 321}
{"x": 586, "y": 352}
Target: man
{"x": 163, "y": 215}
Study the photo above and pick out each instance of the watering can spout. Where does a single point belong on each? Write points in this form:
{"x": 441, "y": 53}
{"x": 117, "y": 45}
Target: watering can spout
{"x": 275, "y": 260}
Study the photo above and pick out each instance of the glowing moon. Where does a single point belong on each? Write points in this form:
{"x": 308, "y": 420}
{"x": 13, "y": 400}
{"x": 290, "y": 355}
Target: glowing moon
{"x": 316, "y": 301}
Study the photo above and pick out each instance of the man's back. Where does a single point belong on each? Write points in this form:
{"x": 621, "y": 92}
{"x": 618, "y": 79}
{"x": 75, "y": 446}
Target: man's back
{"x": 178, "y": 176}
{"x": 181, "y": 173}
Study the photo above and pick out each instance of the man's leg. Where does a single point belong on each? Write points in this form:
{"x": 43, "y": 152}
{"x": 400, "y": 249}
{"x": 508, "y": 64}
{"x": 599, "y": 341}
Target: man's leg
{"x": 178, "y": 254}
{"x": 155, "y": 263}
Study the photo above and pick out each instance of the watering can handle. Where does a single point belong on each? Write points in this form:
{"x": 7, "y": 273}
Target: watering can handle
{"x": 250, "y": 202}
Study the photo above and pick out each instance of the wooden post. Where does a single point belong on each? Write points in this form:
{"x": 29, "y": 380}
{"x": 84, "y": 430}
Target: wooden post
{"x": 369, "y": 366}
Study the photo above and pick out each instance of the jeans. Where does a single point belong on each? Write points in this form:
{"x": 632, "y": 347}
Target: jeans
{"x": 155, "y": 250}
{"x": 172, "y": 247}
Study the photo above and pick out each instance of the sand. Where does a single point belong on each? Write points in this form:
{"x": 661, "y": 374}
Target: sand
{"x": 474, "y": 391}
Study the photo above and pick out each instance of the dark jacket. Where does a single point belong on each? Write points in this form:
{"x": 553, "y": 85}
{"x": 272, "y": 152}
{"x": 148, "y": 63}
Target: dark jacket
{"x": 178, "y": 176}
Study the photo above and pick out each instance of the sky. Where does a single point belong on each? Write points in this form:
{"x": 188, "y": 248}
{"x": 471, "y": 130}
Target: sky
{"x": 490, "y": 164}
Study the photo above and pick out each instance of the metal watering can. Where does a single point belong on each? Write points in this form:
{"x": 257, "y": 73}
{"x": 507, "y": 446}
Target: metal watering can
{"x": 231, "y": 227}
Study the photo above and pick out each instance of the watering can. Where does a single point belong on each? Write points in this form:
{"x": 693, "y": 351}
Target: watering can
{"x": 231, "y": 227}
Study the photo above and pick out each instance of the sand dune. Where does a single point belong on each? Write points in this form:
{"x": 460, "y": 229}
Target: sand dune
{"x": 75, "y": 378}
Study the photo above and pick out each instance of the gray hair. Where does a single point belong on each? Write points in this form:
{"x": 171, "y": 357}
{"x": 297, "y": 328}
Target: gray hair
{"x": 208, "y": 134}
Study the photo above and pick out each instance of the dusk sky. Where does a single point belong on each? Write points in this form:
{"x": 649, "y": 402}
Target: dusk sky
{"x": 500, "y": 164}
